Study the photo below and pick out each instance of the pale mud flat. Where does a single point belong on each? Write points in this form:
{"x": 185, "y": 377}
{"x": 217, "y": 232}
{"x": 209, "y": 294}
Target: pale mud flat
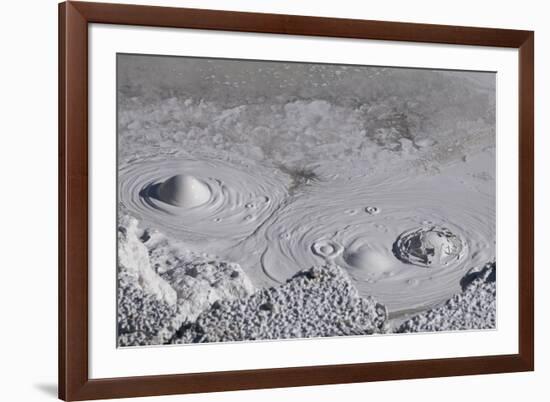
{"x": 235, "y": 180}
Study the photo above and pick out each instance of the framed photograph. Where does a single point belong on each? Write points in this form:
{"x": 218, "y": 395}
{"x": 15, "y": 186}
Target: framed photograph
{"x": 259, "y": 200}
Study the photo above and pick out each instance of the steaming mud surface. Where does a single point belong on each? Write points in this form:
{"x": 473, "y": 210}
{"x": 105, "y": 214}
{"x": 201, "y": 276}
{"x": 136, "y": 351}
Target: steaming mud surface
{"x": 396, "y": 186}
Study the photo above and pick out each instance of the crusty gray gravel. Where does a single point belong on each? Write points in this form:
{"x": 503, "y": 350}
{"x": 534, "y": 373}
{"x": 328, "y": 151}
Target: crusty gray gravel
{"x": 161, "y": 286}
{"x": 133, "y": 260}
{"x": 320, "y": 301}
{"x": 474, "y": 308}
{"x": 198, "y": 280}
{"x": 143, "y": 318}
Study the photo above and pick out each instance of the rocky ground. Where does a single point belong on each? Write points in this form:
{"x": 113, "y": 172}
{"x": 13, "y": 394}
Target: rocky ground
{"x": 317, "y": 302}
{"x": 162, "y": 286}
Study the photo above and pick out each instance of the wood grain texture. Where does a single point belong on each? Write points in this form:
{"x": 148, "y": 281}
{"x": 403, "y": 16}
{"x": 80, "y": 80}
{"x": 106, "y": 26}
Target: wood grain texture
{"x": 73, "y": 202}
{"x": 526, "y": 263}
{"x": 74, "y": 382}
{"x": 298, "y": 25}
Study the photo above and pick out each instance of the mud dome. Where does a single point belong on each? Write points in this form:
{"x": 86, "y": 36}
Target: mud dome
{"x": 227, "y": 201}
{"x": 182, "y": 191}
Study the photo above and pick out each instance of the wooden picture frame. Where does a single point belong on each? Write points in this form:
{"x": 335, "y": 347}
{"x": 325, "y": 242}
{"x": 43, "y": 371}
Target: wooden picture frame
{"x": 74, "y": 381}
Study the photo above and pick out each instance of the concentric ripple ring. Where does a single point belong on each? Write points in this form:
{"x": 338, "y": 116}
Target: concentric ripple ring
{"x": 229, "y": 203}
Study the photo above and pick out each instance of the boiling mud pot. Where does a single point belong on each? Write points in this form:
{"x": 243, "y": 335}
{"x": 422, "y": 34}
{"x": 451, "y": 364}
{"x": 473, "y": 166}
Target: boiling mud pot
{"x": 404, "y": 240}
{"x": 207, "y": 203}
